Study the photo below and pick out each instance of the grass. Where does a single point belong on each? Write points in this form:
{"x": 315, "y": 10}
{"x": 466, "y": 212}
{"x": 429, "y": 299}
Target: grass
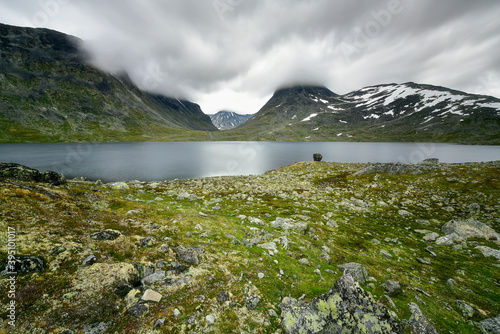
{"x": 319, "y": 193}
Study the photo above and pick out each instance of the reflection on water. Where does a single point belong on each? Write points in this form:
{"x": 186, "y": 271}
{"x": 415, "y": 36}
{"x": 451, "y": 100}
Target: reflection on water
{"x": 164, "y": 161}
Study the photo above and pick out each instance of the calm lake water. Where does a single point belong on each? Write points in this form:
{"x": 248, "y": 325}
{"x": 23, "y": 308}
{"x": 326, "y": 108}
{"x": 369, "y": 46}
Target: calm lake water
{"x": 165, "y": 161}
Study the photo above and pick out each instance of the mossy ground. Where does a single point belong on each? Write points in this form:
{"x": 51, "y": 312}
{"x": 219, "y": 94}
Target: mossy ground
{"x": 325, "y": 195}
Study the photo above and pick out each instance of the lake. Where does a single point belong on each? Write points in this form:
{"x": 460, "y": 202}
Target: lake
{"x": 166, "y": 161}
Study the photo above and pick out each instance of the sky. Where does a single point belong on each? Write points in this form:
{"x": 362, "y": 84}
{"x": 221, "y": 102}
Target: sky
{"x": 233, "y": 54}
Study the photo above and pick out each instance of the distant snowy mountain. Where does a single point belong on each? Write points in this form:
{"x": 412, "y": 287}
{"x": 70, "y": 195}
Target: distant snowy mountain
{"x": 391, "y": 112}
{"x": 225, "y": 120}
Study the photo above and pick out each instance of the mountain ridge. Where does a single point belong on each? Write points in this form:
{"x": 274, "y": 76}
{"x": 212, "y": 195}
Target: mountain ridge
{"x": 48, "y": 92}
{"x": 386, "y": 112}
{"x": 224, "y": 120}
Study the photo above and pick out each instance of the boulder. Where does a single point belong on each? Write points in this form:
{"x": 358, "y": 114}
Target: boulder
{"x": 392, "y": 288}
{"x": 25, "y": 265}
{"x": 491, "y": 325}
{"x": 97, "y": 328}
{"x": 251, "y": 301}
{"x": 138, "y": 310}
{"x": 346, "y": 308}
{"x": 317, "y": 157}
{"x": 487, "y": 251}
{"x": 467, "y": 310}
{"x": 19, "y": 172}
{"x": 356, "y": 270}
{"x": 418, "y": 323}
{"x": 188, "y": 254}
{"x": 470, "y": 228}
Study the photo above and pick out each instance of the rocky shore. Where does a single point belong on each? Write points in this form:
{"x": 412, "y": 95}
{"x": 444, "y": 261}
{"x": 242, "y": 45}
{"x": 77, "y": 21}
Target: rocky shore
{"x": 314, "y": 247}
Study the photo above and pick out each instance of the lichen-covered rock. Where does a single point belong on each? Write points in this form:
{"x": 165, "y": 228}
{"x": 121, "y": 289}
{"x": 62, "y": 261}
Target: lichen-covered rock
{"x": 290, "y": 224}
{"x": 19, "y": 172}
{"x": 491, "y": 325}
{"x": 105, "y": 235}
{"x": 24, "y": 265}
{"x": 467, "y": 310}
{"x": 346, "y": 308}
{"x": 138, "y": 310}
{"x": 418, "y": 323}
{"x": 251, "y": 301}
{"x": 470, "y": 228}
{"x": 356, "y": 270}
{"x": 188, "y": 254}
{"x": 97, "y": 328}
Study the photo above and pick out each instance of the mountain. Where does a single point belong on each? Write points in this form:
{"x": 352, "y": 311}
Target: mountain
{"x": 391, "y": 112}
{"x": 224, "y": 120}
{"x": 49, "y": 92}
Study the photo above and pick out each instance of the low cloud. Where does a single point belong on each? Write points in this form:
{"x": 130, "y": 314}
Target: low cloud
{"x": 232, "y": 54}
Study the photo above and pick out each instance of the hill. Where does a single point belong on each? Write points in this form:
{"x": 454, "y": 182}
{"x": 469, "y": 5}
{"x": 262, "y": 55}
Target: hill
{"x": 49, "y": 93}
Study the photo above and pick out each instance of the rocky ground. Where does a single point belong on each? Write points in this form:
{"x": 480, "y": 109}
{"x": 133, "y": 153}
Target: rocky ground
{"x": 315, "y": 247}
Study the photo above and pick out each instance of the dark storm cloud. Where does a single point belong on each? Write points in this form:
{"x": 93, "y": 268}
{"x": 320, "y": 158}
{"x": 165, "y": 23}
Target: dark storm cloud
{"x": 232, "y": 54}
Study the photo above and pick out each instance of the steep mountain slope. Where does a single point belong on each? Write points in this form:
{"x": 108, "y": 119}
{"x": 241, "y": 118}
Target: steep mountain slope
{"x": 225, "y": 120}
{"x": 393, "y": 112}
{"x": 48, "y": 92}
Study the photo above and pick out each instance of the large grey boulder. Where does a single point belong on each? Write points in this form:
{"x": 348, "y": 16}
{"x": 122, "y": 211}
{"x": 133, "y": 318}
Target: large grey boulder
{"x": 470, "y": 228}
{"x": 346, "y": 308}
{"x": 491, "y": 325}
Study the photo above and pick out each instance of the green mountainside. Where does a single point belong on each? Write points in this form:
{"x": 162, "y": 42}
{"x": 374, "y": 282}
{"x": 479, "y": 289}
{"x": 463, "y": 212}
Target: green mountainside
{"x": 48, "y": 93}
{"x": 395, "y": 112}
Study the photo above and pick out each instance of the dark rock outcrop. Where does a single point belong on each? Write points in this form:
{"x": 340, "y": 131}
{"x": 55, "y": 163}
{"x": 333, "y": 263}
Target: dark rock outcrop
{"x": 19, "y": 172}
{"x": 25, "y": 265}
{"x": 491, "y": 325}
{"x": 346, "y": 308}
{"x": 317, "y": 157}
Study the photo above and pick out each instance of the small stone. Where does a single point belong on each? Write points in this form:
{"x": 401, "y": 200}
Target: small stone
{"x": 260, "y": 275}
{"x": 138, "y": 310}
{"x": 317, "y": 272}
{"x": 375, "y": 241}
{"x": 251, "y": 301}
{"x": 404, "y": 213}
{"x": 159, "y": 323}
{"x": 430, "y": 237}
{"x": 304, "y": 262}
{"x": 386, "y": 254}
{"x": 89, "y": 260}
{"x": 148, "y": 242}
{"x": 467, "y": 310}
{"x": 451, "y": 282}
{"x": 424, "y": 260}
{"x": 177, "y": 313}
{"x": 272, "y": 313}
{"x": 105, "y": 235}
{"x": 392, "y": 288}
{"x": 151, "y": 296}
{"x": 210, "y": 319}
{"x": 222, "y": 296}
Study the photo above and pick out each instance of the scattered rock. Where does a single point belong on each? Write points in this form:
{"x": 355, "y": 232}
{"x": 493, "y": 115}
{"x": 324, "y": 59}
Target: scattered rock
{"x": 210, "y": 319}
{"x": 389, "y": 168}
{"x": 429, "y": 161}
{"x": 404, "y": 213}
{"x": 430, "y": 237}
{"x": 290, "y": 224}
{"x": 177, "y": 268}
{"x": 159, "y": 323}
{"x": 222, "y": 296}
{"x": 304, "y": 262}
{"x": 386, "y": 254}
{"x": 188, "y": 254}
{"x": 119, "y": 186}
{"x": 97, "y": 328}
{"x": 449, "y": 239}
{"x": 151, "y": 296}
{"x": 89, "y": 260}
{"x": 470, "y": 228}
{"x": 260, "y": 275}
{"x": 375, "y": 241}
{"x": 138, "y": 310}
{"x": 451, "y": 282}
{"x": 148, "y": 242}
{"x": 154, "y": 277}
{"x": 269, "y": 246}
{"x": 105, "y": 235}
{"x": 467, "y": 310}
{"x": 177, "y": 313}
{"x": 487, "y": 251}
{"x": 392, "y": 288}
{"x": 491, "y": 325}
{"x": 356, "y": 270}
{"x": 418, "y": 323}
{"x": 251, "y": 301}
{"x": 346, "y": 308}
{"x": 424, "y": 260}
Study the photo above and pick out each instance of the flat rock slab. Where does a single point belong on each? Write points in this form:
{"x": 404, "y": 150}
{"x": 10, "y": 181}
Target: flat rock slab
{"x": 151, "y": 296}
{"x": 470, "y": 228}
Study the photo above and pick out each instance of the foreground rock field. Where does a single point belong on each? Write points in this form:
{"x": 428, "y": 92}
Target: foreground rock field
{"x": 314, "y": 247}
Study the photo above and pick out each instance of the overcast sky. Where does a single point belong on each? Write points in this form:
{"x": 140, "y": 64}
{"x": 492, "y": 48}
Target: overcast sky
{"x": 233, "y": 54}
